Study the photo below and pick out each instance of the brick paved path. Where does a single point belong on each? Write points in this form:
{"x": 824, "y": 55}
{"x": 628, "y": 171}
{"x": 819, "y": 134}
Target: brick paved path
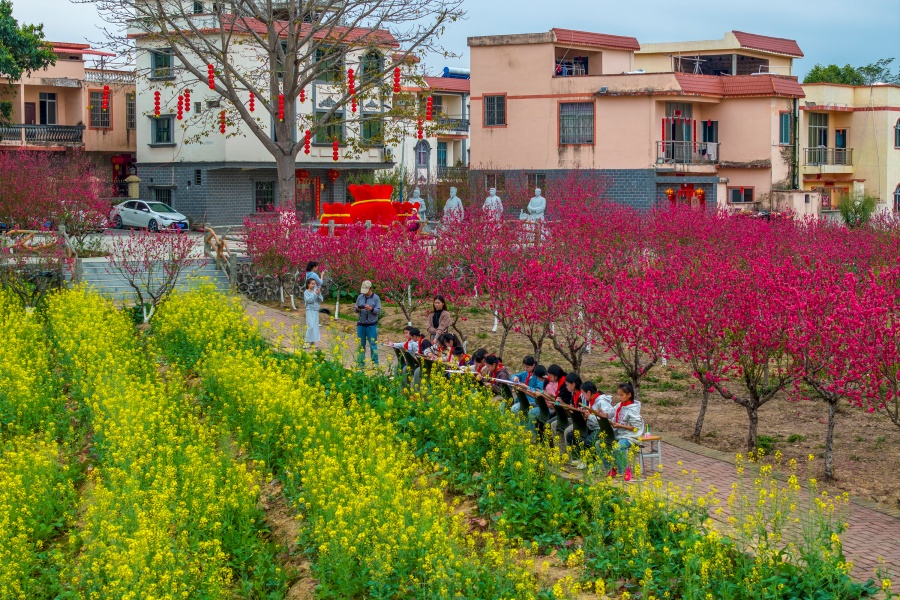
{"x": 874, "y": 530}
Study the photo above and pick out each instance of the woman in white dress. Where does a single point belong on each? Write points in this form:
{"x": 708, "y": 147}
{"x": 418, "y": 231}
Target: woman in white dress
{"x": 312, "y": 296}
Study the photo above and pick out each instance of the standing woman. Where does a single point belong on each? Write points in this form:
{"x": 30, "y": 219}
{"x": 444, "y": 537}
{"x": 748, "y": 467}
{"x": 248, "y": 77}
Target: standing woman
{"x": 312, "y": 296}
{"x": 440, "y": 319}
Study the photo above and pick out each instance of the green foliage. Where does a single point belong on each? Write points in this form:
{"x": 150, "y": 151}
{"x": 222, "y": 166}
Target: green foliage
{"x": 795, "y": 438}
{"x": 857, "y": 208}
{"x": 22, "y": 50}
{"x": 876, "y": 72}
{"x": 766, "y": 443}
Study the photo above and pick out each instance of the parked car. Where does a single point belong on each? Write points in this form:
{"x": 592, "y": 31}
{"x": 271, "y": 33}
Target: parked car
{"x": 153, "y": 216}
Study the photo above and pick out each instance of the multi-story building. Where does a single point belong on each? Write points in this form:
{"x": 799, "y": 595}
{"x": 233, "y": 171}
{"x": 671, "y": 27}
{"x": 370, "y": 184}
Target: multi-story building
{"x": 697, "y": 121}
{"x": 60, "y": 108}
{"x": 219, "y": 179}
{"x": 850, "y": 142}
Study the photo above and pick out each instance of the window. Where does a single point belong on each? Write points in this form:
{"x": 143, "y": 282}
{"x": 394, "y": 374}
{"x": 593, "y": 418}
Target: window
{"x": 785, "y": 129}
{"x": 818, "y": 130}
{"x": 437, "y": 105}
{"x": 210, "y": 104}
{"x": 710, "y": 132}
{"x": 198, "y": 177}
{"x": 333, "y": 128}
{"x": 371, "y": 130}
{"x": 897, "y": 134}
{"x": 495, "y": 180}
{"x": 897, "y": 199}
{"x": 576, "y": 123}
{"x": 161, "y": 130}
{"x": 423, "y": 154}
{"x": 442, "y": 154}
{"x": 265, "y": 196}
{"x": 681, "y": 110}
{"x": 537, "y": 180}
{"x": 47, "y": 108}
{"x": 279, "y": 63}
{"x": 741, "y": 195}
{"x": 198, "y": 8}
{"x": 494, "y": 111}
{"x": 130, "y": 111}
{"x": 331, "y": 68}
{"x": 161, "y": 64}
{"x": 371, "y": 66}
{"x": 163, "y": 195}
{"x": 198, "y": 107}
{"x": 99, "y": 118}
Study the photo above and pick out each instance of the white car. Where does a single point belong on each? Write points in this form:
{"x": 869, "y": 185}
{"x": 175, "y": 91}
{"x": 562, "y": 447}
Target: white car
{"x": 153, "y": 216}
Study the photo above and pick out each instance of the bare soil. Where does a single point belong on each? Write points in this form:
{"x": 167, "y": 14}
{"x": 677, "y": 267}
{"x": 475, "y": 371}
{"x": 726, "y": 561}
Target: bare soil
{"x": 284, "y": 528}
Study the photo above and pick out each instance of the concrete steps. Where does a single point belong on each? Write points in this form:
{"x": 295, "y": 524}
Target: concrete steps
{"x": 97, "y": 274}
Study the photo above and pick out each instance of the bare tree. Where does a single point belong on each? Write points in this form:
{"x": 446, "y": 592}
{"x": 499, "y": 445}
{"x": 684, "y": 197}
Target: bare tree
{"x": 276, "y": 49}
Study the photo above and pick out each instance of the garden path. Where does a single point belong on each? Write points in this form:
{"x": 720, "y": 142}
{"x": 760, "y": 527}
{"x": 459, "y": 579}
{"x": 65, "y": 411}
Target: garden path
{"x": 874, "y": 532}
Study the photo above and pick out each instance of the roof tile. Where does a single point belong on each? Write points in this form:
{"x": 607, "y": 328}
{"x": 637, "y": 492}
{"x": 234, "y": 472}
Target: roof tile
{"x": 600, "y": 40}
{"x": 448, "y": 84}
{"x": 764, "y": 43}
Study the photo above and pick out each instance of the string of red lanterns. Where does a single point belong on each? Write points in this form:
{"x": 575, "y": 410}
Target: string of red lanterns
{"x": 180, "y": 114}
{"x": 281, "y": 107}
{"x": 222, "y": 122}
{"x": 397, "y": 80}
{"x": 156, "y": 103}
{"x": 419, "y": 130}
{"x": 252, "y": 102}
{"x": 187, "y": 100}
{"x": 335, "y": 150}
{"x": 351, "y": 89}
{"x": 104, "y": 103}
{"x": 302, "y": 97}
{"x": 211, "y": 76}
{"x": 307, "y": 141}
{"x": 429, "y": 108}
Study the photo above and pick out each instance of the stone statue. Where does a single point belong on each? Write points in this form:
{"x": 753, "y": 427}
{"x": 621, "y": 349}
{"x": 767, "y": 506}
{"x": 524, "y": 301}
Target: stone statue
{"x": 453, "y": 209}
{"x": 417, "y": 197}
{"x": 493, "y": 206}
{"x": 536, "y": 208}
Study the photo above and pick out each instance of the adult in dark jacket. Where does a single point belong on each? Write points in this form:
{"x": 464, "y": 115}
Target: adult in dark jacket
{"x": 368, "y": 307}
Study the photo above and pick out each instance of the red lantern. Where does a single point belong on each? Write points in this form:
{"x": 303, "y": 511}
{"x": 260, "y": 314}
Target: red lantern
{"x": 117, "y": 160}
{"x": 333, "y": 174}
{"x": 335, "y": 150}
{"x": 187, "y": 100}
{"x": 351, "y": 89}
{"x": 302, "y": 97}
{"x": 156, "y": 103}
{"x": 222, "y": 121}
{"x": 180, "y": 114}
{"x": 281, "y": 107}
{"x": 419, "y": 132}
{"x": 302, "y": 175}
{"x": 307, "y": 142}
{"x": 252, "y": 102}
{"x": 211, "y": 76}
{"x": 429, "y": 108}
{"x": 104, "y": 104}
{"x": 397, "y": 80}
{"x": 701, "y": 194}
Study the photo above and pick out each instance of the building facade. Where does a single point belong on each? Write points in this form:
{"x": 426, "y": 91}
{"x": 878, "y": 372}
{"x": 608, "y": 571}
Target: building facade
{"x": 60, "y": 109}
{"x": 850, "y": 142}
{"x": 655, "y": 130}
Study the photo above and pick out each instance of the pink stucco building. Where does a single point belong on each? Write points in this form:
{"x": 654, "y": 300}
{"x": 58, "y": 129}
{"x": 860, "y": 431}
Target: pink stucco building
{"x": 718, "y": 116}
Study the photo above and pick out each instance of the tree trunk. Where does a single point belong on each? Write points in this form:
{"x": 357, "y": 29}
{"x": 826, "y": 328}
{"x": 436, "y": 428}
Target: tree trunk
{"x": 287, "y": 181}
{"x": 829, "y": 440}
{"x": 503, "y": 340}
{"x": 753, "y": 413}
{"x": 698, "y": 426}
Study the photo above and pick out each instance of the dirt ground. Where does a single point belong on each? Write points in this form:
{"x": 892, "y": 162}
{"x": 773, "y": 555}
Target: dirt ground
{"x": 866, "y": 446}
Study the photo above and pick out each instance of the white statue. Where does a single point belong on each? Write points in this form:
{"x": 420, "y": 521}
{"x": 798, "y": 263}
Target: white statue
{"x": 417, "y": 198}
{"x": 493, "y": 206}
{"x": 453, "y": 209}
{"x": 536, "y": 208}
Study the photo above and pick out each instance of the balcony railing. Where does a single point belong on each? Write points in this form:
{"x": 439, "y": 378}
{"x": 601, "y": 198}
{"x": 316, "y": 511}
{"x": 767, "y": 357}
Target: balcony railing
{"x": 687, "y": 153}
{"x": 827, "y": 156}
{"x": 41, "y": 135}
{"x": 98, "y": 76}
{"x": 455, "y": 173}
{"x": 452, "y": 124}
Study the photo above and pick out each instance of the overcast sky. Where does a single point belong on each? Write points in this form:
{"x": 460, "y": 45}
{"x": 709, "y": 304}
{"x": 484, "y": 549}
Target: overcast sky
{"x": 828, "y": 31}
